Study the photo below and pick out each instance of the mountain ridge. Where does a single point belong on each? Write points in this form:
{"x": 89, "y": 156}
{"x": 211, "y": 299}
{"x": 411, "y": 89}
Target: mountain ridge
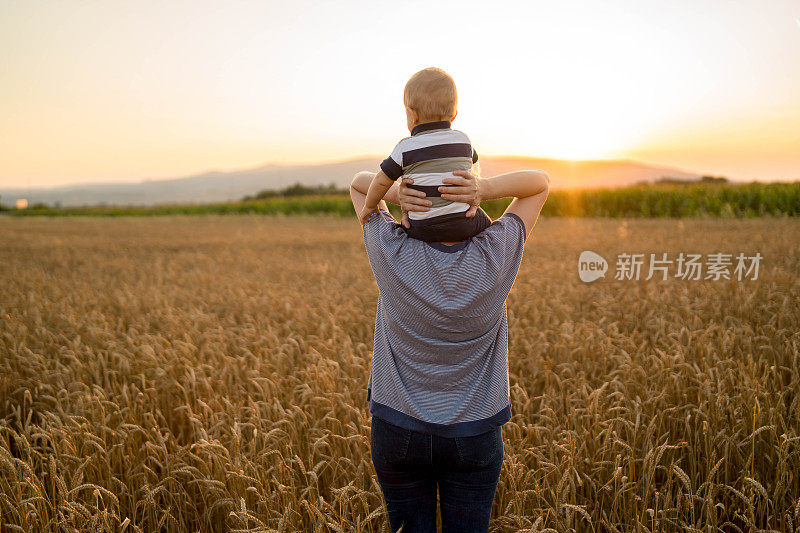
{"x": 219, "y": 185}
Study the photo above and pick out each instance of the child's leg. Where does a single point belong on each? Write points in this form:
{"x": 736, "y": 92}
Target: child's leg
{"x": 453, "y": 227}
{"x": 481, "y": 221}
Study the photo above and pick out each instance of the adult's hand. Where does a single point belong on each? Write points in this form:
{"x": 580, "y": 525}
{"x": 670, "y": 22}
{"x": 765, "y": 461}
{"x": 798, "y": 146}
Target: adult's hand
{"x": 411, "y": 200}
{"x": 463, "y": 187}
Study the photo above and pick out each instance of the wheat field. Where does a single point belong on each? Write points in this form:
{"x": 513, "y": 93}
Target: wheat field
{"x": 209, "y": 374}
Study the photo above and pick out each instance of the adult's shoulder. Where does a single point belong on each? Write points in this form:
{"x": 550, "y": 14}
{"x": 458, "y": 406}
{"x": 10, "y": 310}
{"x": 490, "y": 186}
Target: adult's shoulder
{"x": 515, "y": 223}
{"x": 502, "y": 243}
{"x": 381, "y": 229}
{"x": 509, "y": 227}
{"x": 389, "y": 249}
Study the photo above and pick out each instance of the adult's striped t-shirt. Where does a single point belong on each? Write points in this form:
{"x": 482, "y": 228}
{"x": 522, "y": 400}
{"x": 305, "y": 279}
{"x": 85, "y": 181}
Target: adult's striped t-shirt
{"x": 440, "y": 355}
{"x": 432, "y": 152}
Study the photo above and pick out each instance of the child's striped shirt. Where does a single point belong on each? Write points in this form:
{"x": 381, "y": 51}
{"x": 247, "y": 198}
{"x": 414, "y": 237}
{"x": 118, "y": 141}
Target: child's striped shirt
{"x": 432, "y": 152}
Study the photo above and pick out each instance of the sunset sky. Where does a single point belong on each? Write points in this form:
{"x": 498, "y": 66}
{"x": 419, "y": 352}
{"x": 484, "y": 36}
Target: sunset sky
{"x": 121, "y": 91}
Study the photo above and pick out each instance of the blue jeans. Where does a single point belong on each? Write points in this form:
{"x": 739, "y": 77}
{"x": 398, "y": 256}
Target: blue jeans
{"x": 410, "y": 465}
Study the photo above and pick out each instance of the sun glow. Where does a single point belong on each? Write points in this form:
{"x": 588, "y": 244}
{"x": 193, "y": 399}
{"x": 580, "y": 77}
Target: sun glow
{"x": 124, "y": 91}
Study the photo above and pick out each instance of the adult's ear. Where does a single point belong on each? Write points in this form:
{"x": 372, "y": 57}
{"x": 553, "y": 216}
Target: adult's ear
{"x": 454, "y": 116}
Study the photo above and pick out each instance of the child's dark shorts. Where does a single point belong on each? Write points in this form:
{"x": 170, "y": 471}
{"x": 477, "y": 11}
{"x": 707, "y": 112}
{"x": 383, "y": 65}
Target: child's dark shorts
{"x": 448, "y": 228}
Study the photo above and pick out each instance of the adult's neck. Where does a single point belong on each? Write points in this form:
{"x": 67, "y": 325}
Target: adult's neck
{"x": 449, "y": 243}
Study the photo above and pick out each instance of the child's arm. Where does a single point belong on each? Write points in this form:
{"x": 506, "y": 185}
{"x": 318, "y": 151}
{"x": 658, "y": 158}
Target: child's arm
{"x": 408, "y": 199}
{"x": 378, "y": 188}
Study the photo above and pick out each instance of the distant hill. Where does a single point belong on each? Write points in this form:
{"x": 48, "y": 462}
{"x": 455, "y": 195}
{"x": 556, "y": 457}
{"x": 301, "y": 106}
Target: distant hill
{"x": 216, "y": 186}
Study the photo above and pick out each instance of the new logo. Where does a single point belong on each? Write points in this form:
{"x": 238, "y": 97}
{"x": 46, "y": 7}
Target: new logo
{"x": 591, "y": 266}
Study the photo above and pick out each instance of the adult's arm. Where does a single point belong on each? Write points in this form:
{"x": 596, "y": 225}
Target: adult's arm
{"x": 529, "y": 188}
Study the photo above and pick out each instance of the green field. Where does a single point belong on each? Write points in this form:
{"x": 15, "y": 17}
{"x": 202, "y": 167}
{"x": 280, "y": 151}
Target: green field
{"x": 641, "y": 201}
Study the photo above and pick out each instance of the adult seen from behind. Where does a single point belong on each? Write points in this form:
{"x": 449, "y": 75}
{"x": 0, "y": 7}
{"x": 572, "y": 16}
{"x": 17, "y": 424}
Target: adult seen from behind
{"x": 438, "y": 386}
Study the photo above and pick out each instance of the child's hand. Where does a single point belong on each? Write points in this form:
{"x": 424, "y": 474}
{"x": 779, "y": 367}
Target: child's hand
{"x": 365, "y": 212}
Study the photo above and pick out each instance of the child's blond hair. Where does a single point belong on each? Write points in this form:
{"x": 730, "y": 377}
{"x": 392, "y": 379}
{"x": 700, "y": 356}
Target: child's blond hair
{"x": 431, "y": 92}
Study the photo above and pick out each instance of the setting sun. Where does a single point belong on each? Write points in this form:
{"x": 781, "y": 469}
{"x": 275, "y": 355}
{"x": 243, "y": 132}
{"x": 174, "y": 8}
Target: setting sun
{"x": 121, "y": 92}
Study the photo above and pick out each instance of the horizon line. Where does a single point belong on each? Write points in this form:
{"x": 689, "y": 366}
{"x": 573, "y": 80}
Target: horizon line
{"x": 625, "y": 160}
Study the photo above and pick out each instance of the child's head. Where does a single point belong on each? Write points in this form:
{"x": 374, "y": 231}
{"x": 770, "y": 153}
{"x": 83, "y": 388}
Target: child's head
{"x": 430, "y": 96}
